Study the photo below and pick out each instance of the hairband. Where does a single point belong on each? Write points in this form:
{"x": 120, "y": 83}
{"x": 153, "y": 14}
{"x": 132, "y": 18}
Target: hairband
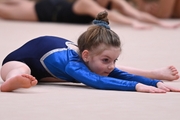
{"x": 101, "y": 23}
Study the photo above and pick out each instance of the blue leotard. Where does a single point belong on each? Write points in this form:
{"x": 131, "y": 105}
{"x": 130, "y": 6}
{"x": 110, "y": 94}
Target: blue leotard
{"x": 49, "y": 56}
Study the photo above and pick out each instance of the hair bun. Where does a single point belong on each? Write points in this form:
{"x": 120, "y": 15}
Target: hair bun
{"x": 102, "y": 20}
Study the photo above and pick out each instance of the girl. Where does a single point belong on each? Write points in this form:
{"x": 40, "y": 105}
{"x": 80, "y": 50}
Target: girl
{"x": 92, "y": 63}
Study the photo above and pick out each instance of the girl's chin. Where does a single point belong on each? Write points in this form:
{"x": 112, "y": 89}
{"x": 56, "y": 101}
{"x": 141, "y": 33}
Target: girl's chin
{"x": 104, "y": 74}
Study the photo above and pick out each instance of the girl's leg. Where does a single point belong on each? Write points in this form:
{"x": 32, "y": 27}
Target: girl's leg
{"x": 167, "y": 73}
{"x": 16, "y": 75}
{"x": 18, "y": 10}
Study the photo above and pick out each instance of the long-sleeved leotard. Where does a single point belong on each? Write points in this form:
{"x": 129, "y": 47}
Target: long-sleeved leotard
{"x": 53, "y": 57}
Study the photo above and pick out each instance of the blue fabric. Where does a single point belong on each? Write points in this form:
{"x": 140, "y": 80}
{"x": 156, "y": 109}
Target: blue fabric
{"x": 81, "y": 73}
{"x": 66, "y": 64}
{"x": 130, "y": 77}
{"x": 56, "y": 63}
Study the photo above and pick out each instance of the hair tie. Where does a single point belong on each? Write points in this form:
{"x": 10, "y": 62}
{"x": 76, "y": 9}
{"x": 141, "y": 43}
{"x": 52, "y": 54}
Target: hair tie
{"x": 101, "y": 23}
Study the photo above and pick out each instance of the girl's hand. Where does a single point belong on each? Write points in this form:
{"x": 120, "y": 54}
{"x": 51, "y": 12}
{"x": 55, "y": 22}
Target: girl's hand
{"x": 167, "y": 88}
{"x": 148, "y": 89}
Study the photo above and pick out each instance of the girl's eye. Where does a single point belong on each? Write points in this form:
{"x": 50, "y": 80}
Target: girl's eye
{"x": 105, "y": 60}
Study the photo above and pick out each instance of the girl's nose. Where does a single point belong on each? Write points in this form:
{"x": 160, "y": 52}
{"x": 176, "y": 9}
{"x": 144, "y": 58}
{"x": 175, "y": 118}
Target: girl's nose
{"x": 111, "y": 66}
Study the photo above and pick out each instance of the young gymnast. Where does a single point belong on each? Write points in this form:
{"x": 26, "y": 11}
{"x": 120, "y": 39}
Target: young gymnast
{"x": 92, "y": 63}
{"x": 79, "y": 11}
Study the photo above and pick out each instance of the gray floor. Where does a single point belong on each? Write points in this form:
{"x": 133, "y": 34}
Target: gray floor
{"x": 146, "y": 49}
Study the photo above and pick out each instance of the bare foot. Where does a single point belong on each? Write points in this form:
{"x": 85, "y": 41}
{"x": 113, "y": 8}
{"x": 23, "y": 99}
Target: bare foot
{"x": 20, "y": 81}
{"x": 169, "y": 73}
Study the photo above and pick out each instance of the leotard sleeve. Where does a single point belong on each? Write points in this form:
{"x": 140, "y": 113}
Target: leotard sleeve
{"x": 116, "y": 73}
{"x": 81, "y": 73}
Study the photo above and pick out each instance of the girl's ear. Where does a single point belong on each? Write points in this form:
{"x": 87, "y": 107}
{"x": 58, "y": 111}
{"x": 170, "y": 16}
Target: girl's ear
{"x": 85, "y": 55}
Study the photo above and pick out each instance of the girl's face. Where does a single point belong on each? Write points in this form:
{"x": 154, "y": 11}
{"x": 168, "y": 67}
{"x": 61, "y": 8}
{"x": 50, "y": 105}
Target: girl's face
{"x": 102, "y": 63}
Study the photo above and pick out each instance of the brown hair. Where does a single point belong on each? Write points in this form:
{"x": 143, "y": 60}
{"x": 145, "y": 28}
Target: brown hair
{"x": 98, "y": 34}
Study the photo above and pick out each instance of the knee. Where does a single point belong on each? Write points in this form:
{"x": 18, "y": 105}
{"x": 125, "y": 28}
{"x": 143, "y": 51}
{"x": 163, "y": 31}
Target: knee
{"x": 14, "y": 67}
{"x": 25, "y": 69}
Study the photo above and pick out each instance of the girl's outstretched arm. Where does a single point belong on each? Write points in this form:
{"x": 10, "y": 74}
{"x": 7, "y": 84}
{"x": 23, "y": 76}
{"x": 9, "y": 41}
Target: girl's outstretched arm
{"x": 117, "y": 80}
{"x": 82, "y": 74}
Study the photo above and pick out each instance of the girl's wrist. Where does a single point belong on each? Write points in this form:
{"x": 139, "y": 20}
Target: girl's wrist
{"x": 159, "y": 83}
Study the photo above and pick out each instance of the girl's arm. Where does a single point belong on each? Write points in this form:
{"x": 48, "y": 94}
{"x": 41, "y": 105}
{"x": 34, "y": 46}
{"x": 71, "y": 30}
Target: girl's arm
{"x": 81, "y": 73}
{"x": 116, "y": 73}
{"x": 145, "y": 84}
{"x": 117, "y": 80}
